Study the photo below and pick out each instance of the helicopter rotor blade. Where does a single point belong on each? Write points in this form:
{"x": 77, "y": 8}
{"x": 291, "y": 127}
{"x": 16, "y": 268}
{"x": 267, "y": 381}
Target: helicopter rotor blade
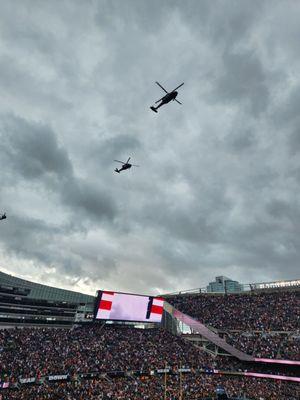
{"x": 161, "y": 87}
{"x": 120, "y": 161}
{"x": 178, "y": 101}
{"x": 177, "y": 87}
{"x": 128, "y": 160}
{"x": 134, "y": 165}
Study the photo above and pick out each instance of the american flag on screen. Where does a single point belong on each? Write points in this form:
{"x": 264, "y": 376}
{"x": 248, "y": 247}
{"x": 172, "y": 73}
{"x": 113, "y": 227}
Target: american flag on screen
{"x": 128, "y": 307}
{"x": 155, "y": 306}
{"x": 105, "y": 305}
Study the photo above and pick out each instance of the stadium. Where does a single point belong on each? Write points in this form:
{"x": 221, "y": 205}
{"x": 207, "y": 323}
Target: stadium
{"x": 198, "y": 344}
{"x": 149, "y": 200}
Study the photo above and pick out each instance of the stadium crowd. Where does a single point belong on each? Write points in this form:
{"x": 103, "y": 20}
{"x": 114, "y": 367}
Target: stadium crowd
{"x": 290, "y": 348}
{"x": 191, "y": 386}
{"x": 274, "y": 311}
{"x": 266, "y": 344}
{"x": 245, "y": 321}
{"x": 264, "y": 325}
{"x": 100, "y": 348}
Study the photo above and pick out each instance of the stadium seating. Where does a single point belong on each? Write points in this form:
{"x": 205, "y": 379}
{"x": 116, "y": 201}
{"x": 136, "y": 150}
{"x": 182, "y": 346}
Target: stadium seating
{"x": 275, "y": 311}
{"x": 266, "y": 344}
{"x": 112, "y": 352}
{"x": 261, "y": 324}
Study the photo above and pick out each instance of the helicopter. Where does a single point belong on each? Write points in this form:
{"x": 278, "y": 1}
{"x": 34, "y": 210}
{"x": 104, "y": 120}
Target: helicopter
{"x": 125, "y": 165}
{"x": 167, "y": 97}
{"x": 3, "y": 216}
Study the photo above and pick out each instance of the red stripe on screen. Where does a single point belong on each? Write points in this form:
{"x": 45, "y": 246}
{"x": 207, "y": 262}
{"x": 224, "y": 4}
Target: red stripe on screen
{"x": 105, "y": 305}
{"x": 156, "y": 309}
{"x": 108, "y": 292}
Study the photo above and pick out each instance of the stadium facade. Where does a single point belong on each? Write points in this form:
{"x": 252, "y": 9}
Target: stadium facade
{"x": 44, "y": 292}
{"x": 207, "y": 348}
{"x": 25, "y": 303}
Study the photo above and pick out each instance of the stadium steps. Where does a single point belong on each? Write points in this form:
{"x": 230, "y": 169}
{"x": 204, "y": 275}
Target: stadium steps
{"x": 282, "y": 344}
{"x": 203, "y": 348}
{"x": 255, "y": 345}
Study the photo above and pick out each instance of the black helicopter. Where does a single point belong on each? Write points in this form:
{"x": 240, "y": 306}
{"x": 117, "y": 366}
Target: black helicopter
{"x": 167, "y": 98}
{"x": 3, "y": 216}
{"x": 125, "y": 165}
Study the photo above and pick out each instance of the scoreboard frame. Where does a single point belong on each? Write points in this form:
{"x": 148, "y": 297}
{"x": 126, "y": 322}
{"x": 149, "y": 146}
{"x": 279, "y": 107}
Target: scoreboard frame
{"x": 150, "y": 308}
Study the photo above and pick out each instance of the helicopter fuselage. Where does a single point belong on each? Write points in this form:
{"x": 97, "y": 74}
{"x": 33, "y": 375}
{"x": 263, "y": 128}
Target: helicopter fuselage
{"x": 169, "y": 97}
{"x": 125, "y": 166}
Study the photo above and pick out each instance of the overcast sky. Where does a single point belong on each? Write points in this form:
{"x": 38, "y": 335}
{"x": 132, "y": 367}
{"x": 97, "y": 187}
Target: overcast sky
{"x": 218, "y": 187}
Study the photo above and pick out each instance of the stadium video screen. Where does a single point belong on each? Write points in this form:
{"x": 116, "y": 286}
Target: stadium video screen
{"x": 128, "y": 307}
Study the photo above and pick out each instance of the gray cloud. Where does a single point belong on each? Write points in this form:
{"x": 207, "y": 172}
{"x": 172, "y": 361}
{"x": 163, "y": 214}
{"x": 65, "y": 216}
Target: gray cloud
{"x": 32, "y": 149}
{"x": 243, "y": 79}
{"x": 33, "y": 152}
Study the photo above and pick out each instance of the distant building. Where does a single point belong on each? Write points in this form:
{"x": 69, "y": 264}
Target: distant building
{"x": 223, "y": 284}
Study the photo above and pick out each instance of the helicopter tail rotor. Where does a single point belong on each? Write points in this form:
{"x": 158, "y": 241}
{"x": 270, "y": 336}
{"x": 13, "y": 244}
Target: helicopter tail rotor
{"x": 153, "y": 109}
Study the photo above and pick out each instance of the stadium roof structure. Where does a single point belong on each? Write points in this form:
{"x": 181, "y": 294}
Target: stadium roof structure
{"x": 44, "y": 292}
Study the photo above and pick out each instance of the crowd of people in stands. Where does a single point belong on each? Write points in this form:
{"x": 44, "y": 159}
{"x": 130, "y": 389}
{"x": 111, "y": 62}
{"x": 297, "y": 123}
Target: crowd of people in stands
{"x": 266, "y": 344}
{"x": 102, "y": 348}
{"x": 274, "y": 311}
{"x": 290, "y": 347}
{"x": 99, "y": 348}
{"x": 189, "y": 386}
{"x": 261, "y": 324}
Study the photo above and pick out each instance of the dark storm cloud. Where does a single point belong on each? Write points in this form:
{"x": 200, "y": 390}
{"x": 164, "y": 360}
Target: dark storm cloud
{"x": 33, "y": 152}
{"x": 144, "y": 16}
{"x": 24, "y": 238}
{"x": 223, "y": 23}
{"x": 218, "y": 183}
{"x": 243, "y": 79}
{"x": 14, "y": 78}
{"x": 242, "y": 140}
{"x": 188, "y": 221}
{"x": 86, "y": 197}
{"x": 32, "y": 149}
{"x": 294, "y": 140}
